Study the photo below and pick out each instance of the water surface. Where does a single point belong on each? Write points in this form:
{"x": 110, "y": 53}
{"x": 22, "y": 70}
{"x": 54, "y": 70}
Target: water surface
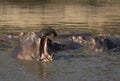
{"x": 94, "y": 16}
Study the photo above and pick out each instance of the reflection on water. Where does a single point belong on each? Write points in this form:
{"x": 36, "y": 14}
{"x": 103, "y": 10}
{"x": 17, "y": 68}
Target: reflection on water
{"x": 96, "y": 16}
{"x": 38, "y": 69}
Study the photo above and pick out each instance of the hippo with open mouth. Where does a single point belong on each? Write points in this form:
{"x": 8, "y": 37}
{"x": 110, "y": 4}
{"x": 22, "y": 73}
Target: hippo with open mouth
{"x": 39, "y": 46}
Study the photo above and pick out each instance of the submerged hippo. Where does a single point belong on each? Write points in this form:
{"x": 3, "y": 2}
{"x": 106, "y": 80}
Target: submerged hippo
{"x": 104, "y": 42}
{"x": 39, "y": 46}
{"x": 98, "y": 43}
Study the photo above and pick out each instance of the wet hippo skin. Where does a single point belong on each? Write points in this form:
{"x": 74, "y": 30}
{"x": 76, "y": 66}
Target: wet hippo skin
{"x": 113, "y": 43}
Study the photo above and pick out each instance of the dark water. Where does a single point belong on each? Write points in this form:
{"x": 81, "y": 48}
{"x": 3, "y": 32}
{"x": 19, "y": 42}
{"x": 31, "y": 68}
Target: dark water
{"x": 94, "y": 16}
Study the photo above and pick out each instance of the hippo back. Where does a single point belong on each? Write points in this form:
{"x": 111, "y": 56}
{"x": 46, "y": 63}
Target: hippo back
{"x": 113, "y": 42}
{"x": 62, "y": 45}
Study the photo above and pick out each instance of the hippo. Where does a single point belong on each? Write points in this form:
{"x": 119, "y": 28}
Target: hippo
{"x": 40, "y": 46}
{"x": 26, "y": 47}
{"x": 105, "y": 42}
{"x": 98, "y": 43}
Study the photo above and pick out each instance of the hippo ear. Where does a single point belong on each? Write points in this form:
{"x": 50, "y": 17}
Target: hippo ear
{"x": 21, "y": 34}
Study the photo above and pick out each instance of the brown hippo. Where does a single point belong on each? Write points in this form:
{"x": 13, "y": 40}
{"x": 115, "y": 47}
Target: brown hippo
{"x": 26, "y": 47}
{"x": 39, "y": 45}
{"x": 34, "y": 46}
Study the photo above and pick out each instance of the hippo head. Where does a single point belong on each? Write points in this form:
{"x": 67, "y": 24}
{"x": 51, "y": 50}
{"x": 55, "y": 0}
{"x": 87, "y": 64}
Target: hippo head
{"x": 97, "y": 43}
{"x": 25, "y": 49}
{"x": 33, "y": 45}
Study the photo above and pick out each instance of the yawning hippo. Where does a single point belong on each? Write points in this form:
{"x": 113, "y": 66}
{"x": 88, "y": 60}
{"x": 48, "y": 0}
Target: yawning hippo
{"x": 39, "y": 45}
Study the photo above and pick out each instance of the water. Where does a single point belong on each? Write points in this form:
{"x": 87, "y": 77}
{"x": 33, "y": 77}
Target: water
{"x": 69, "y": 66}
{"x": 94, "y": 16}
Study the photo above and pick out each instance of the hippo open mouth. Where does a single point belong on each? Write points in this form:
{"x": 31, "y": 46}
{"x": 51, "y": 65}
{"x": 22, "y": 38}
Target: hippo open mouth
{"x": 44, "y": 55}
{"x": 44, "y": 35}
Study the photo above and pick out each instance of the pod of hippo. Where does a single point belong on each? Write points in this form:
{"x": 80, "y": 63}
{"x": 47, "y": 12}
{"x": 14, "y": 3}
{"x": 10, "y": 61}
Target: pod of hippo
{"x": 41, "y": 45}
